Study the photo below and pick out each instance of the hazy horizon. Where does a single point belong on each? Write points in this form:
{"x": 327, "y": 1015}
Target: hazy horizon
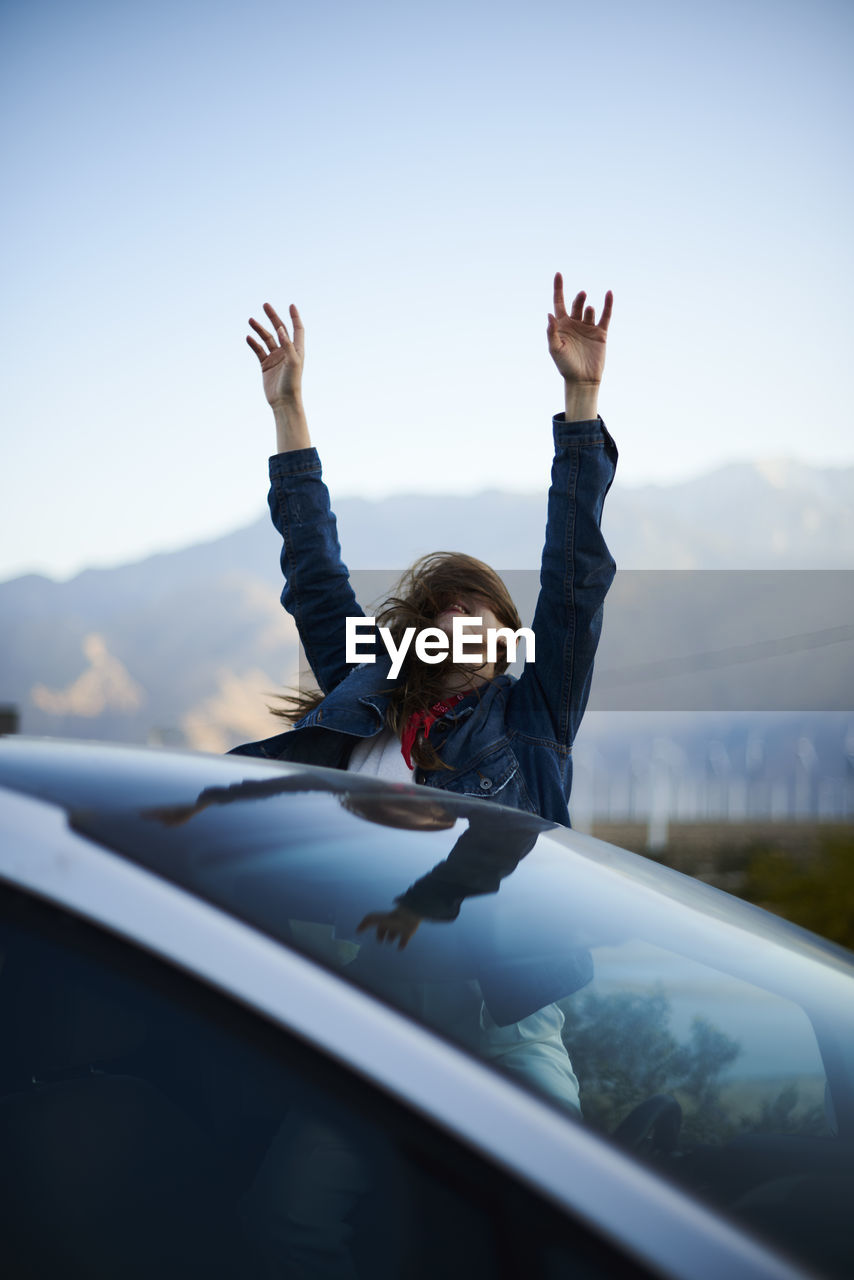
{"x": 790, "y": 495}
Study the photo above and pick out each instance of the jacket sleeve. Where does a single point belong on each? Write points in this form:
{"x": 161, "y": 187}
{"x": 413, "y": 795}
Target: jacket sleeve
{"x": 485, "y": 853}
{"x": 317, "y": 591}
{"x": 548, "y": 700}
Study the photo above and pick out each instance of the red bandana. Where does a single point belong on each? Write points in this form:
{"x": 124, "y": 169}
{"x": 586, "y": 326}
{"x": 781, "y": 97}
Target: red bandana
{"x": 423, "y": 720}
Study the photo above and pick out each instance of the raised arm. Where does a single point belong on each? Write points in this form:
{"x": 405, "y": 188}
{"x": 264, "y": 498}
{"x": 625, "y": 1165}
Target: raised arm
{"x": 577, "y": 568}
{"x": 281, "y": 366}
{"x": 577, "y": 346}
{"x": 317, "y": 590}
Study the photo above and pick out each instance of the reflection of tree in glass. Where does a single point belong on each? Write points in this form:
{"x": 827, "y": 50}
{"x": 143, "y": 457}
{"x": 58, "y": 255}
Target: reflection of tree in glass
{"x": 624, "y": 1052}
{"x": 781, "y": 1115}
{"x": 707, "y": 1055}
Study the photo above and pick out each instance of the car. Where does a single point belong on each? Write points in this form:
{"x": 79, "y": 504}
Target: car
{"x": 264, "y": 1019}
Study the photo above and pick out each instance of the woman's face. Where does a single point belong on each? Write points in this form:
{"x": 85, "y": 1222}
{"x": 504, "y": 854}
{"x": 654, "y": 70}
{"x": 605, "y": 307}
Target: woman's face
{"x": 466, "y": 605}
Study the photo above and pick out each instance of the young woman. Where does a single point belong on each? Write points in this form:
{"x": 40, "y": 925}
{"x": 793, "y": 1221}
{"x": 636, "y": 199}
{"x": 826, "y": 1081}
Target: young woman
{"x": 468, "y": 728}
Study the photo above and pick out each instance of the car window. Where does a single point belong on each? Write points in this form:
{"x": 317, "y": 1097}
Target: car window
{"x": 716, "y": 1080}
{"x": 150, "y": 1127}
{"x": 738, "y": 1059}
{"x": 691, "y": 1029}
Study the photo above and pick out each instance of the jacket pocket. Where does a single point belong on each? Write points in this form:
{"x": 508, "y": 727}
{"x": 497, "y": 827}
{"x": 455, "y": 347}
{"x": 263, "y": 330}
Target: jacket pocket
{"x": 496, "y": 776}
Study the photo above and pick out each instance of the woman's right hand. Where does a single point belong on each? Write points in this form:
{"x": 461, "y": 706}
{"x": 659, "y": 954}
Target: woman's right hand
{"x": 400, "y": 923}
{"x": 282, "y": 362}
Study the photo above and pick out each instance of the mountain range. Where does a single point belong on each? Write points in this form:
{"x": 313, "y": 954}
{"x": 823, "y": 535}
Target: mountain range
{"x": 192, "y": 646}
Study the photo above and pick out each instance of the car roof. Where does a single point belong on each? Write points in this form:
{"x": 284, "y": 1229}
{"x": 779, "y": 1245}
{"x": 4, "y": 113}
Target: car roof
{"x": 253, "y": 817}
{"x": 55, "y": 856}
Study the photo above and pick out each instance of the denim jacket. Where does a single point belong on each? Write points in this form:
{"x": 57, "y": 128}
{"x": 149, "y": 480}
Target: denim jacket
{"x": 510, "y": 740}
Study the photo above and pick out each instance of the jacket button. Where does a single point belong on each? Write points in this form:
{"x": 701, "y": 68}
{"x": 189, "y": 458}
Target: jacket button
{"x": 441, "y": 724}
{"x": 485, "y": 784}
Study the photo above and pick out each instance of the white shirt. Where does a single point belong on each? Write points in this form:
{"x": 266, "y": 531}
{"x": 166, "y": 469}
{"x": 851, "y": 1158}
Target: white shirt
{"x": 380, "y": 757}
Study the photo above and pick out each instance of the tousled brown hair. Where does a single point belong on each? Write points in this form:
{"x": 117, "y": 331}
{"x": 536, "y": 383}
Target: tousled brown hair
{"x": 422, "y": 592}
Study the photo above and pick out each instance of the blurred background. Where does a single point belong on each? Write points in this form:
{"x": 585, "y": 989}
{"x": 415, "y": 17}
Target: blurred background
{"x": 412, "y": 177}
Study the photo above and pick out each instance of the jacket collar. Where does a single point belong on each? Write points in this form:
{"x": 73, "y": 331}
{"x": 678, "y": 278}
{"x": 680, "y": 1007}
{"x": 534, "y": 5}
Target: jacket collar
{"x": 358, "y": 704}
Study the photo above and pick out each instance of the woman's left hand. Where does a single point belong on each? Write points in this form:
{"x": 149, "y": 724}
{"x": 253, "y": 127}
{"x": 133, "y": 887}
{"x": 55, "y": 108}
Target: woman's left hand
{"x": 576, "y": 341}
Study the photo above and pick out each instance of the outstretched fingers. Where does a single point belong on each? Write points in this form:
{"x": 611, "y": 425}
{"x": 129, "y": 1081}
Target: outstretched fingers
{"x": 590, "y": 312}
{"x": 560, "y": 307}
{"x": 281, "y": 329}
{"x": 257, "y": 348}
{"x": 588, "y": 315}
{"x": 577, "y": 312}
{"x": 388, "y": 926}
{"x": 299, "y": 330}
{"x": 264, "y": 334}
{"x": 275, "y": 319}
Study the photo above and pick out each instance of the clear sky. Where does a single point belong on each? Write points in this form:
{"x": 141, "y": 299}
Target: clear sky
{"x": 411, "y": 176}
